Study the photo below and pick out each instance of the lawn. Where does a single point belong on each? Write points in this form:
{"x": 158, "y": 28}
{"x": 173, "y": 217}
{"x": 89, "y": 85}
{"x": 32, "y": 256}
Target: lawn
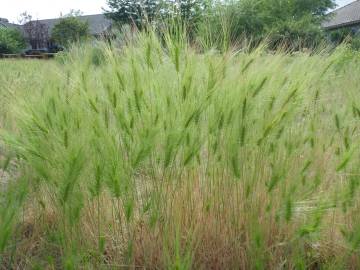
{"x": 159, "y": 156}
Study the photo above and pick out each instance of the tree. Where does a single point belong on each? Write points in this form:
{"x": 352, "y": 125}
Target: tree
{"x": 24, "y": 18}
{"x": 69, "y": 30}
{"x": 279, "y": 21}
{"x": 36, "y": 33}
{"x": 11, "y": 40}
{"x": 134, "y": 12}
{"x": 140, "y": 13}
{"x": 192, "y": 10}
{"x": 297, "y": 23}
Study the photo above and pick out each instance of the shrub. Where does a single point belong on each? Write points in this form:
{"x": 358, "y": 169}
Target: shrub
{"x": 11, "y": 40}
{"x": 355, "y": 43}
{"x": 69, "y": 30}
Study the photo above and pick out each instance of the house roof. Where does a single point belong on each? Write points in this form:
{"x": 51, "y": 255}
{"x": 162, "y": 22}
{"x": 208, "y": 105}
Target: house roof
{"x": 98, "y": 23}
{"x": 346, "y": 16}
{"x": 5, "y": 23}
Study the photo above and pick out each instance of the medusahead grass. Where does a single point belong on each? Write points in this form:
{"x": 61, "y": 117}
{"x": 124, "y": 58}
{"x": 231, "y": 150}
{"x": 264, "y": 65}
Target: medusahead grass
{"x": 156, "y": 156}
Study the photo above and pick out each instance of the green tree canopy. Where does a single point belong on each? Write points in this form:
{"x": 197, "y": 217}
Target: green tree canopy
{"x": 11, "y": 40}
{"x": 142, "y": 12}
{"x": 133, "y": 12}
{"x": 278, "y": 20}
{"x": 70, "y": 29}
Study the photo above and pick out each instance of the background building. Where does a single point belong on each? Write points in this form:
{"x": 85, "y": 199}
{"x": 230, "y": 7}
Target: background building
{"x": 345, "y": 17}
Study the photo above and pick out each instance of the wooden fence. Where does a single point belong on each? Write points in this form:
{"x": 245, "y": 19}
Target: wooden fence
{"x": 25, "y": 56}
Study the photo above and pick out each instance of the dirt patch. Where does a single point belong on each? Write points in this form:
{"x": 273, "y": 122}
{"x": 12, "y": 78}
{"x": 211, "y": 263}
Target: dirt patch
{"x": 4, "y": 177}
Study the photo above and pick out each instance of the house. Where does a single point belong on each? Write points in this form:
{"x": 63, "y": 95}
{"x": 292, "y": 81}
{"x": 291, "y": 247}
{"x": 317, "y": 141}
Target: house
{"x": 99, "y": 25}
{"x": 5, "y": 23}
{"x": 345, "y": 17}
{"x": 38, "y": 33}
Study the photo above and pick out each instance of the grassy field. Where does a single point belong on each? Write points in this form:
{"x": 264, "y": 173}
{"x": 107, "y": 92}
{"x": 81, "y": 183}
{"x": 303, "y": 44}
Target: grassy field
{"x": 157, "y": 156}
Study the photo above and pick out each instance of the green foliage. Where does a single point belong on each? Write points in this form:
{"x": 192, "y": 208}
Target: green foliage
{"x": 346, "y": 35}
{"x": 294, "y": 23}
{"x": 355, "y": 43}
{"x": 11, "y": 40}
{"x": 148, "y": 12}
{"x": 192, "y": 11}
{"x": 133, "y": 12}
{"x": 340, "y": 35}
{"x": 69, "y": 30}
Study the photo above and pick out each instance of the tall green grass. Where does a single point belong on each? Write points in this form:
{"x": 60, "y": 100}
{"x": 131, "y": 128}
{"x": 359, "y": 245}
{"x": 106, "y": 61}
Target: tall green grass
{"x": 157, "y": 156}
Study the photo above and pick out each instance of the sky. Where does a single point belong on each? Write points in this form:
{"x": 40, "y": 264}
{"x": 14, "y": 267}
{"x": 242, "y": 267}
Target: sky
{"x": 46, "y": 9}
{"x": 343, "y": 2}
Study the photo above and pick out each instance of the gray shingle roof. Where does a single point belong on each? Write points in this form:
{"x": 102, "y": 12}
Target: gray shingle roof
{"x": 6, "y": 24}
{"x": 346, "y": 16}
{"x": 98, "y": 23}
